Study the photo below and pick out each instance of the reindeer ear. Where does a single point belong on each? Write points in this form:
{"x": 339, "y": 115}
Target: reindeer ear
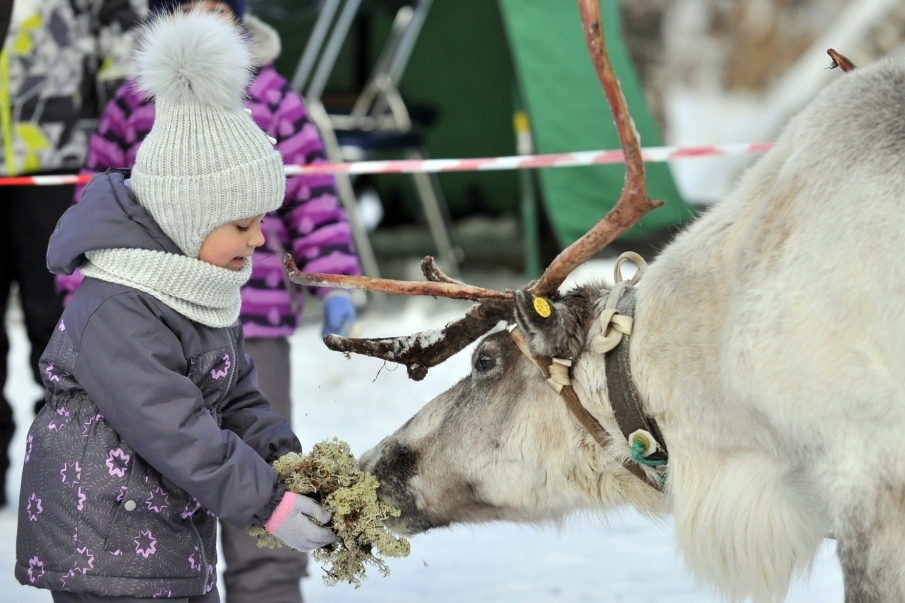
{"x": 552, "y": 326}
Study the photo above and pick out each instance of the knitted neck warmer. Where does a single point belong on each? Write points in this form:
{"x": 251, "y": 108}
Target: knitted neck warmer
{"x": 199, "y": 291}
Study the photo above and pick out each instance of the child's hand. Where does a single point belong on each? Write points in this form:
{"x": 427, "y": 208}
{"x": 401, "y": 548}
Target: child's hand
{"x": 339, "y": 313}
{"x": 291, "y": 523}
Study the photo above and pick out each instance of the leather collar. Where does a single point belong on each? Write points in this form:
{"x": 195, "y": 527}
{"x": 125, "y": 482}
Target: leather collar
{"x": 624, "y": 397}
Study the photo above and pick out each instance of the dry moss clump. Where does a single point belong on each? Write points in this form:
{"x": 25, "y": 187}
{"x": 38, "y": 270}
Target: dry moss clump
{"x": 329, "y": 474}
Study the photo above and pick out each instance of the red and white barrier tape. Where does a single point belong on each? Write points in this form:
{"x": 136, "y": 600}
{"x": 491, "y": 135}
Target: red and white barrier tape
{"x": 515, "y": 162}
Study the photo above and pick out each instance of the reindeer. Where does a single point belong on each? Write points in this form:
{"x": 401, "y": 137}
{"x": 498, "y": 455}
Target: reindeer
{"x": 750, "y": 381}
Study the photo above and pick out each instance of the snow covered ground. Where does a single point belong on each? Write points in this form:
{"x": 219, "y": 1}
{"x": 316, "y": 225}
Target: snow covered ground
{"x": 619, "y": 558}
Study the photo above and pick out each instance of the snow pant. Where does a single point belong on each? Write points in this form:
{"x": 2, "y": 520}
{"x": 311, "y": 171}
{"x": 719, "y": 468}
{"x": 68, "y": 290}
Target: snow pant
{"x": 253, "y": 574}
{"x": 28, "y": 216}
{"x": 60, "y": 596}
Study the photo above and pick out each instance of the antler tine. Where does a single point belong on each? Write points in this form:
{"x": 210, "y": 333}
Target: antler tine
{"x": 840, "y": 60}
{"x": 432, "y": 272}
{"x": 447, "y": 288}
{"x": 633, "y": 202}
{"x": 423, "y": 350}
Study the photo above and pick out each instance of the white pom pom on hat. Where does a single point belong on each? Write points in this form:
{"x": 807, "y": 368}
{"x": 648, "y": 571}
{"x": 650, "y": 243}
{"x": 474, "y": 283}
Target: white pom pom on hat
{"x": 183, "y": 57}
{"x": 205, "y": 162}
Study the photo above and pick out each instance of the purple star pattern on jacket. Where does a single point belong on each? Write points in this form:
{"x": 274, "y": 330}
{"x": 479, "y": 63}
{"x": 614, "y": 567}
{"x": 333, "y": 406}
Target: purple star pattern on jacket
{"x": 157, "y": 501}
{"x": 34, "y": 507}
{"x": 35, "y": 569}
{"x": 92, "y": 420}
{"x": 71, "y": 473}
{"x": 190, "y": 509}
{"x": 84, "y": 560}
{"x": 192, "y": 563}
{"x": 221, "y": 373}
{"x": 118, "y": 462}
{"x": 145, "y": 544}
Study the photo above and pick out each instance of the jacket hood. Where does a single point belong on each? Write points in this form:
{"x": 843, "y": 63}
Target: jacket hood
{"x": 107, "y": 217}
{"x": 264, "y": 41}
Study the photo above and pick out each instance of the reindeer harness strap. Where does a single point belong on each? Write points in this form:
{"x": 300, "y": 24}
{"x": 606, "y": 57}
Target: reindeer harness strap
{"x": 559, "y": 380}
{"x": 642, "y": 433}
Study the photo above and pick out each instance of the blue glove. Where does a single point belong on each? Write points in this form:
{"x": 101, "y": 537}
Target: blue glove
{"x": 339, "y": 314}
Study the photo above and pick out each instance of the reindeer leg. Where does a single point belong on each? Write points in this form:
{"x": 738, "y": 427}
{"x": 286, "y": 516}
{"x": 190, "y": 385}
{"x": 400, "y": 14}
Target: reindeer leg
{"x": 870, "y": 549}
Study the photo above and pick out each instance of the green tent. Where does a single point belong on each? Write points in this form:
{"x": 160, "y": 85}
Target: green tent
{"x": 568, "y": 111}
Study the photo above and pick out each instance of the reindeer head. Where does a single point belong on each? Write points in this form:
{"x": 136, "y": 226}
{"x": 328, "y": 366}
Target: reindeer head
{"x": 464, "y": 456}
{"x": 500, "y": 444}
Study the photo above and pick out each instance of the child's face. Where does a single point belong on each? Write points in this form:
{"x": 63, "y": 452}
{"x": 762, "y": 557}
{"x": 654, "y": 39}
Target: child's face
{"x": 220, "y": 9}
{"x": 230, "y": 244}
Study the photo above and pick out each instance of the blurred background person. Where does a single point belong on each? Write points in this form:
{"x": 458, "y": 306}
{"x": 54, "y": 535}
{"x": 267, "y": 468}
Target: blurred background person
{"x": 311, "y": 225}
{"x": 59, "y": 59}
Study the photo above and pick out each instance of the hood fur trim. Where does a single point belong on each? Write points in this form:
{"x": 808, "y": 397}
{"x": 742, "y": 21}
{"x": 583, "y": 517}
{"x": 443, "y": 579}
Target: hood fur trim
{"x": 264, "y": 41}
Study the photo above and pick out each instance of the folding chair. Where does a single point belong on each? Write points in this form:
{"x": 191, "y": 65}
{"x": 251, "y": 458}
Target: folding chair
{"x": 379, "y": 121}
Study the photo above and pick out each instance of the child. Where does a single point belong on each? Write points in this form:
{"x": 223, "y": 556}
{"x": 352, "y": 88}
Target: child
{"x": 311, "y": 225}
{"x": 153, "y": 423}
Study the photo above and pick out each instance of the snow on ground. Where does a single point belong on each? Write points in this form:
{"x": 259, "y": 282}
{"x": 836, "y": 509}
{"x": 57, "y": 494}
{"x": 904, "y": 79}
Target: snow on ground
{"x": 591, "y": 558}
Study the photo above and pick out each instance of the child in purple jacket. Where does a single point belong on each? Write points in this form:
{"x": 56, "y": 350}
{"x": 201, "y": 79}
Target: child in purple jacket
{"x": 311, "y": 225}
{"x": 154, "y": 425}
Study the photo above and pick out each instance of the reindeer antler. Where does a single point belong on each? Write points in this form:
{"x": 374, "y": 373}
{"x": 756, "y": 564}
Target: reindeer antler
{"x": 840, "y": 60}
{"x": 423, "y": 350}
{"x": 633, "y": 202}
{"x": 440, "y": 288}
{"x": 429, "y": 348}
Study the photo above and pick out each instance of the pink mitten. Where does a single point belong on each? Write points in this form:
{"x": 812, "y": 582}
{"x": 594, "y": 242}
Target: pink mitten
{"x": 291, "y": 523}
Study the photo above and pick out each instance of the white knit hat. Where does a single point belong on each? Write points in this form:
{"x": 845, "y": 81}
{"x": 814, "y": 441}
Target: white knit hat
{"x": 204, "y": 162}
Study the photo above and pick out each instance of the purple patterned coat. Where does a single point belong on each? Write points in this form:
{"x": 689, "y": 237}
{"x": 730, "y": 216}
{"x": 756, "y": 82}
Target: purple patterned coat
{"x": 153, "y": 426}
{"x": 311, "y": 224}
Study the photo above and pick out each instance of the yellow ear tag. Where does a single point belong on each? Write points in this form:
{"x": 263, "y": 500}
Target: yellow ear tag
{"x": 542, "y": 307}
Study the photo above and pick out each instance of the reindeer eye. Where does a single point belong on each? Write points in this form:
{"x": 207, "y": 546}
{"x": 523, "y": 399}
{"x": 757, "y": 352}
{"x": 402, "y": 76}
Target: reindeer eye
{"x": 485, "y": 362}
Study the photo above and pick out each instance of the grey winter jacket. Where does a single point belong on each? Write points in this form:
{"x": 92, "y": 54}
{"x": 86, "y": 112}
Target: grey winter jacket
{"x": 62, "y": 60}
{"x": 153, "y": 425}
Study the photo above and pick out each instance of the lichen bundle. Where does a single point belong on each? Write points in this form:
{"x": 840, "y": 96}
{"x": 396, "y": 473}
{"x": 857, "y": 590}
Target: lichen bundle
{"x": 329, "y": 474}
